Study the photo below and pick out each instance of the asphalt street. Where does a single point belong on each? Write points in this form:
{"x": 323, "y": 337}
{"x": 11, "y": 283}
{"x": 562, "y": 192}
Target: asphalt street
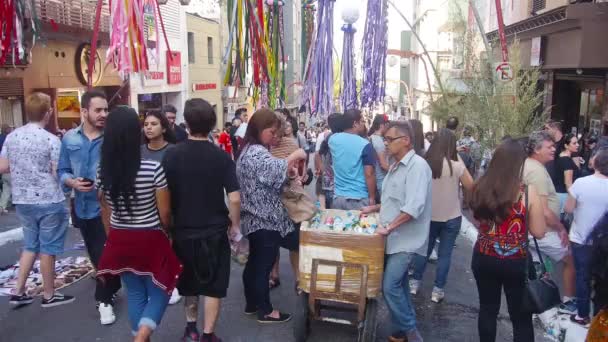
{"x": 455, "y": 319}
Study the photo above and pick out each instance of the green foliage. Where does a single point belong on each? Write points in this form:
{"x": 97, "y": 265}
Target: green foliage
{"x": 494, "y": 108}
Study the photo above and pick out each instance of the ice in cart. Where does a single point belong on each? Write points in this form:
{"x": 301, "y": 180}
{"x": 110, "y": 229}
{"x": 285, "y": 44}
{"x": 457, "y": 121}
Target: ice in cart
{"x": 341, "y": 265}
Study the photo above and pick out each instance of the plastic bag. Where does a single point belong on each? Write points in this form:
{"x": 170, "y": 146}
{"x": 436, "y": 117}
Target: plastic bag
{"x": 239, "y": 249}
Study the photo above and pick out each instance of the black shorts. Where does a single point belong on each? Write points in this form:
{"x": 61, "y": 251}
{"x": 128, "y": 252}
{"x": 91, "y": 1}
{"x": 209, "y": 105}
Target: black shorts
{"x": 291, "y": 241}
{"x": 206, "y": 263}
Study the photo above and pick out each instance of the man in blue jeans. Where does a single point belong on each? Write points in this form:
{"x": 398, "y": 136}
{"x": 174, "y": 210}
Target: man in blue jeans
{"x": 31, "y": 154}
{"x": 78, "y": 161}
{"x": 405, "y": 216}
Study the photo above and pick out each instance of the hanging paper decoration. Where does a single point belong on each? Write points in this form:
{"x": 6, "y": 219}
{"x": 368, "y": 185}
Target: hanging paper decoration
{"x": 308, "y": 28}
{"x": 318, "y": 89}
{"x": 348, "y": 96}
{"x": 276, "y": 54}
{"x": 16, "y": 16}
{"x": 127, "y": 51}
{"x": 374, "y": 53}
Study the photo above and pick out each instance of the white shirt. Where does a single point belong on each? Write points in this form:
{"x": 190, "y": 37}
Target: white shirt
{"x": 32, "y": 153}
{"x": 591, "y": 204}
{"x": 320, "y": 139}
{"x": 240, "y": 132}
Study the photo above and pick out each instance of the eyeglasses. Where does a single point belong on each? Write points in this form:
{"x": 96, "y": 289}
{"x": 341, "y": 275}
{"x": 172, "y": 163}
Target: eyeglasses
{"x": 391, "y": 139}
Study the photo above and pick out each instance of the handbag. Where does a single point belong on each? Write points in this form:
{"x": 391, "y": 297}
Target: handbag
{"x": 541, "y": 293}
{"x": 300, "y": 207}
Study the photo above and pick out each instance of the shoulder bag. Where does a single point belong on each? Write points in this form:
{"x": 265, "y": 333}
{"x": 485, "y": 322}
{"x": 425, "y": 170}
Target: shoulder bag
{"x": 300, "y": 207}
{"x": 541, "y": 292}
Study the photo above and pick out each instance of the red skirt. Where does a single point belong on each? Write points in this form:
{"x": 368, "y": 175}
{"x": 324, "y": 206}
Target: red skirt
{"x": 143, "y": 252}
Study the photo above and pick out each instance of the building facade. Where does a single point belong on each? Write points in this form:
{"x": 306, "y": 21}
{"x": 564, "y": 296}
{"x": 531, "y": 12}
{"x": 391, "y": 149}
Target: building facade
{"x": 564, "y": 38}
{"x": 204, "y": 62}
{"x": 167, "y": 80}
{"x": 58, "y": 64}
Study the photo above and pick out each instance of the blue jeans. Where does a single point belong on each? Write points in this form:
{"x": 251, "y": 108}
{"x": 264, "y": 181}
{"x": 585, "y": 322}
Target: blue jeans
{"x": 396, "y": 289}
{"x": 447, "y": 232}
{"x": 582, "y": 263}
{"x": 44, "y": 227}
{"x": 146, "y": 301}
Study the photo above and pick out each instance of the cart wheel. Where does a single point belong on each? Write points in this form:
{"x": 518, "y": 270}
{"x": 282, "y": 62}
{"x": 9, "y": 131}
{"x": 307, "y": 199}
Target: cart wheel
{"x": 301, "y": 318}
{"x": 368, "y": 332}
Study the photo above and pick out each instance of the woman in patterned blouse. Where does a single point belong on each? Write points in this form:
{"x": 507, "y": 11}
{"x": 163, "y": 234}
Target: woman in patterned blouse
{"x": 264, "y": 219}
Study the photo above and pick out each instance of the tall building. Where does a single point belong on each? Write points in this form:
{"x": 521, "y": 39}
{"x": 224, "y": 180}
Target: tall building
{"x": 565, "y": 39}
{"x": 204, "y": 62}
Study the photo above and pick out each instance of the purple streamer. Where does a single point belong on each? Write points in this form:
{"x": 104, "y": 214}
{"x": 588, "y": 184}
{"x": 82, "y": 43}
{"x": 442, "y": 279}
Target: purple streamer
{"x": 348, "y": 97}
{"x": 318, "y": 87}
{"x": 375, "y": 41}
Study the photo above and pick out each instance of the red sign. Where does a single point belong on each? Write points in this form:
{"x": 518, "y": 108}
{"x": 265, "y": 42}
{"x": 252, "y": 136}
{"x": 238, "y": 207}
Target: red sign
{"x": 501, "y": 32}
{"x": 203, "y": 86}
{"x": 155, "y": 75}
{"x": 174, "y": 67}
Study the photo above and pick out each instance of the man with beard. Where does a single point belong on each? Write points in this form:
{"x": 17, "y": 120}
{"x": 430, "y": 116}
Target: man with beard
{"x": 77, "y": 170}
{"x": 170, "y": 113}
{"x": 353, "y": 159}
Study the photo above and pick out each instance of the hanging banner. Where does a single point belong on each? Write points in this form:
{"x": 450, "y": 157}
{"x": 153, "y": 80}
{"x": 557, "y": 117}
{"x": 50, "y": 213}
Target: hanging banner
{"x": 501, "y": 32}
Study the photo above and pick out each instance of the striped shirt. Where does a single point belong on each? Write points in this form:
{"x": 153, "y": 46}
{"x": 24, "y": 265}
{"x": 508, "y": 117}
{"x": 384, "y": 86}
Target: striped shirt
{"x": 143, "y": 213}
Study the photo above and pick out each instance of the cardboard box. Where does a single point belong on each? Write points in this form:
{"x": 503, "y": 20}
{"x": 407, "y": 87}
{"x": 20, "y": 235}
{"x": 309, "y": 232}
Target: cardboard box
{"x": 350, "y": 247}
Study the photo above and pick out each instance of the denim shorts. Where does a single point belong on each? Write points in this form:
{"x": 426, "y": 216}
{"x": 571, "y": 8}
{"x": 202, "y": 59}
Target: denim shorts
{"x": 44, "y": 227}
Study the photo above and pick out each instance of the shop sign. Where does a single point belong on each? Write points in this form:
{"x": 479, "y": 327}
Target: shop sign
{"x": 203, "y": 86}
{"x": 174, "y": 67}
{"x": 83, "y": 53}
{"x": 153, "y": 77}
{"x": 535, "y": 51}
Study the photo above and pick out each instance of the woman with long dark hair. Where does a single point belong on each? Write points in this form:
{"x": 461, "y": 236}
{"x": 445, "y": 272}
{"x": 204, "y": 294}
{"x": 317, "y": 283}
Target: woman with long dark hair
{"x": 158, "y": 136}
{"x": 264, "y": 218}
{"x": 419, "y": 145}
{"x": 136, "y": 216}
{"x": 449, "y": 172}
{"x": 376, "y": 136}
{"x": 500, "y": 254}
{"x": 567, "y": 168}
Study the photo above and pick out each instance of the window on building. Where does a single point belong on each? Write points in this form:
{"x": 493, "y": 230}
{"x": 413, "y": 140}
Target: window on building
{"x": 191, "y": 59}
{"x": 210, "y": 50}
{"x": 538, "y": 5}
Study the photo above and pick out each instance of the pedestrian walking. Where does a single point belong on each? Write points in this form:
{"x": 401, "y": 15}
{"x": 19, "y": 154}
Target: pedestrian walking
{"x": 224, "y": 139}
{"x": 449, "y": 172}
{"x": 78, "y": 164}
{"x": 199, "y": 174}
{"x": 498, "y": 202}
{"x": 569, "y": 167}
{"x": 264, "y": 218}
{"x": 588, "y": 202}
{"x": 31, "y": 155}
{"x": 158, "y": 137}
{"x": 376, "y": 136}
{"x": 323, "y": 162}
{"x": 405, "y": 216}
{"x": 136, "y": 215}
{"x": 420, "y": 143}
{"x": 353, "y": 160}
{"x": 170, "y": 112}
{"x": 555, "y": 244}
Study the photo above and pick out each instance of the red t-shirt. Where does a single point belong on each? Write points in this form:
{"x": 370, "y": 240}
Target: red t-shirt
{"x": 225, "y": 142}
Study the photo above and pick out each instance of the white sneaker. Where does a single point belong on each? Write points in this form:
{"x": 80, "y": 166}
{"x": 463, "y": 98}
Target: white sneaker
{"x": 437, "y": 295}
{"x": 433, "y": 257}
{"x": 414, "y": 286}
{"x": 175, "y": 297}
{"x": 106, "y": 314}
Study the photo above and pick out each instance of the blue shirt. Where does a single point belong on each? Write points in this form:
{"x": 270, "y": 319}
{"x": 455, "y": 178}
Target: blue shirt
{"x": 350, "y": 153}
{"x": 79, "y": 157}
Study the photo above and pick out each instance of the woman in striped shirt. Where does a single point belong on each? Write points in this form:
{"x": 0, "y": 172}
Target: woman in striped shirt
{"x": 136, "y": 213}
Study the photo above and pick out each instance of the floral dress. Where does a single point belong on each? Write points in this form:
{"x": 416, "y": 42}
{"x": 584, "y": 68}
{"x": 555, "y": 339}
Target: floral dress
{"x": 261, "y": 177}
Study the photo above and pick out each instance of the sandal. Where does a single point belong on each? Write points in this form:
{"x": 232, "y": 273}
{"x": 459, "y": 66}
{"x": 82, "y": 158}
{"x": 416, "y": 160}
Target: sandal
{"x": 274, "y": 283}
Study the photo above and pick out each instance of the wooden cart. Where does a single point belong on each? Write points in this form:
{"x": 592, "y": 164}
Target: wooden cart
{"x": 341, "y": 272}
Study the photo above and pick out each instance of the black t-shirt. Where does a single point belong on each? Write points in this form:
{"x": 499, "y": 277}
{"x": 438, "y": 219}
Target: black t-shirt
{"x": 197, "y": 173}
{"x": 235, "y": 142}
{"x": 552, "y": 167}
{"x": 563, "y": 164}
{"x": 180, "y": 134}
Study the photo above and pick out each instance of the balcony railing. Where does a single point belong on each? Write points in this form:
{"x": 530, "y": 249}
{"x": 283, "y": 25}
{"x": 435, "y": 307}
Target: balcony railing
{"x": 73, "y": 13}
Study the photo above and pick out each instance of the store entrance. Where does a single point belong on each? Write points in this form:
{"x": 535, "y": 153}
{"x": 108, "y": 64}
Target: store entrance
{"x": 578, "y": 103}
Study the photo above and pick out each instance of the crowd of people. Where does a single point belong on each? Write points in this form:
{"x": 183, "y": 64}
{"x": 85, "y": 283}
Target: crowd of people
{"x": 159, "y": 205}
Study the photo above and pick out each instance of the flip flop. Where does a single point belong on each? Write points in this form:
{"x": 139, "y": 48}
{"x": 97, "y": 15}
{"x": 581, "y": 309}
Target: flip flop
{"x": 274, "y": 283}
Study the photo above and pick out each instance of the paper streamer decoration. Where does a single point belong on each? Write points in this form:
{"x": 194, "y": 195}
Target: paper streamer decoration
{"x": 318, "y": 89}
{"x": 276, "y": 54}
{"x": 127, "y": 51}
{"x": 15, "y": 17}
{"x": 374, "y": 53}
{"x": 348, "y": 96}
